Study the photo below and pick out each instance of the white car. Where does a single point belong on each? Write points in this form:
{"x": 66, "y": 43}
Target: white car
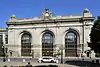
{"x": 52, "y": 60}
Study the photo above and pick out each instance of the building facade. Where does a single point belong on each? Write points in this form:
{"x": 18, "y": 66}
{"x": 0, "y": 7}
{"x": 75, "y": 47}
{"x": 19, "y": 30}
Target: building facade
{"x": 48, "y": 35}
{"x": 3, "y": 40}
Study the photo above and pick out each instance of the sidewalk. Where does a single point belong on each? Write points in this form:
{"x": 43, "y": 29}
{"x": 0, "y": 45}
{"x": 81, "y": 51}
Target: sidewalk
{"x": 33, "y": 64}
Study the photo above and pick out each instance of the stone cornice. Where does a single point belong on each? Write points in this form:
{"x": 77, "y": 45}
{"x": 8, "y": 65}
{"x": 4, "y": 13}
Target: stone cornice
{"x": 3, "y": 29}
{"x": 50, "y": 21}
{"x": 88, "y": 18}
{"x": 47, "y": 17}
{"x": 49, "y": 27}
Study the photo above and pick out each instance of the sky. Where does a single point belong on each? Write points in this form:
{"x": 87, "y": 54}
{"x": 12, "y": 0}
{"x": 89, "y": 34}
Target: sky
{"x": 34, "y": 8}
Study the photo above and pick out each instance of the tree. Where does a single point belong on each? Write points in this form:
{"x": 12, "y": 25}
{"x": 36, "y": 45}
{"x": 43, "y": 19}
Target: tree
{"x": 95, "y": 36}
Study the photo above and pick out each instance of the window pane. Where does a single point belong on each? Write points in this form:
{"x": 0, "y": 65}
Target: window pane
{"x": 47, "y": 44}
{"x": 26, "y": 44}
{"x": 6, "y": 39}
{"x": 70, "y": 44}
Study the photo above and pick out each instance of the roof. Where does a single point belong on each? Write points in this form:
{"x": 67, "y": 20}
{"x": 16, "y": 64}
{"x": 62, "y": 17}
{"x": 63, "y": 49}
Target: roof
{"x": 47, "y": 16}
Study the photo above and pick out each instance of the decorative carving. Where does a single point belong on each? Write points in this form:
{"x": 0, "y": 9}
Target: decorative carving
{"x": 13, "y": 17}
{"x": 86, "y": 10}
{"x": 46, "y": 15}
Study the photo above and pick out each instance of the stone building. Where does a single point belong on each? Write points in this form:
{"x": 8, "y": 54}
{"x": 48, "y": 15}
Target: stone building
{"x": 48, "y": 35}
{"x": 3, "y": 39}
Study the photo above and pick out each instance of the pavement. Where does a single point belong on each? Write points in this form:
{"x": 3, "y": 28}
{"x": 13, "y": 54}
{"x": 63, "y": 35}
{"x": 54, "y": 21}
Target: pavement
{"x": 33, "y": 64}
{"x": 23, "y": 61}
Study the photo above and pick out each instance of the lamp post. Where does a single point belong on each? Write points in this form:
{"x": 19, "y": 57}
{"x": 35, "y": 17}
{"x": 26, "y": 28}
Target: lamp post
{"x": 4, "y": 53}
{"x": 32, "y": 53}
{"x": 61, "y": 55}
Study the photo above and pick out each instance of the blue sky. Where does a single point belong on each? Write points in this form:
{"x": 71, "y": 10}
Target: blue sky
{"x": 34, "y": 8}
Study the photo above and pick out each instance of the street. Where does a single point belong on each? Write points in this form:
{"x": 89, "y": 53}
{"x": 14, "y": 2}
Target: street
{"x": 33, "y": 64}
{"x": 23, "y": 61}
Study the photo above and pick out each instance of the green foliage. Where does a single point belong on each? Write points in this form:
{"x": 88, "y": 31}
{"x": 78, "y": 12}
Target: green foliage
{"x": 95, "y": 32}
{"x": 95, "y": 35}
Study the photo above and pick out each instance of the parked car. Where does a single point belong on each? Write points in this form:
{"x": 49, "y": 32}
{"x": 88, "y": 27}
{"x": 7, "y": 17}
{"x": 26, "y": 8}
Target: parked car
{"x": 48, "y": 59}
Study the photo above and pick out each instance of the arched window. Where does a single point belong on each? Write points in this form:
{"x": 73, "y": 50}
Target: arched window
{"x": 47, "y": 44}
{"x": 26, "y": 44}
{"x": 71, "y": 44}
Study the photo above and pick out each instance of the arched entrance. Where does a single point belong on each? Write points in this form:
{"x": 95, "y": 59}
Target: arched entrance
{"x": 26, "y": 44}
{"x": 47, "y": 44}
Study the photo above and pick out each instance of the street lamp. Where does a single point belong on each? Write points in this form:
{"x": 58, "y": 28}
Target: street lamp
{"x": 61, "y": 55}
{"x": 32, "y": 53}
